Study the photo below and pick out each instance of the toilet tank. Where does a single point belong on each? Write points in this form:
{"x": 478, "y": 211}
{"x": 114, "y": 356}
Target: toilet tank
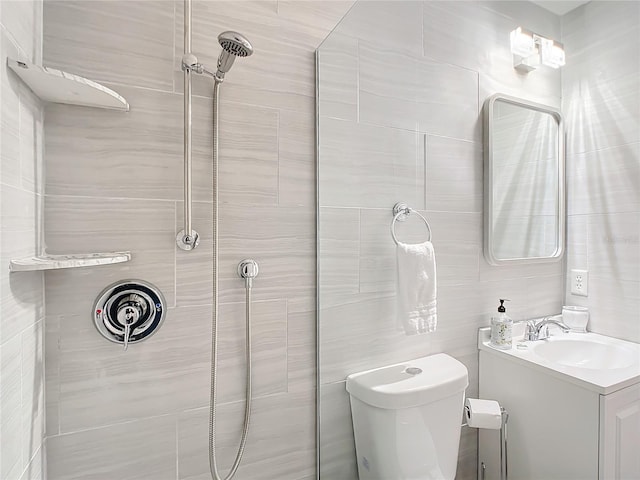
{"x": 407, "y": 417}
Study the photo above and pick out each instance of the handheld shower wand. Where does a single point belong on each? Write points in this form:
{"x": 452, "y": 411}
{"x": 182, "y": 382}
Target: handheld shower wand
{"x": 233, "y": 45}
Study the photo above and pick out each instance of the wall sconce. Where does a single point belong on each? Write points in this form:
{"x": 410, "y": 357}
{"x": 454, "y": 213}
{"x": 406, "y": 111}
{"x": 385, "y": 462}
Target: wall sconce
{"x": 531, "y": 50}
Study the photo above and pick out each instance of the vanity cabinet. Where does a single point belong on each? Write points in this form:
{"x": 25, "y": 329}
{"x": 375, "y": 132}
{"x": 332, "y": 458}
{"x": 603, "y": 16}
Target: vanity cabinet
{"x": 558, "y": 428}
{"x": 620, "y": 434}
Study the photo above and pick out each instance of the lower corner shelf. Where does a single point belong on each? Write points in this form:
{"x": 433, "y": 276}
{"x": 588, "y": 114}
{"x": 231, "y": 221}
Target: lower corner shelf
{"x": 55, "y": 262}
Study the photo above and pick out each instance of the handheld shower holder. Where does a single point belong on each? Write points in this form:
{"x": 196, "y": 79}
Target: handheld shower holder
{"x": 187, "y": 242}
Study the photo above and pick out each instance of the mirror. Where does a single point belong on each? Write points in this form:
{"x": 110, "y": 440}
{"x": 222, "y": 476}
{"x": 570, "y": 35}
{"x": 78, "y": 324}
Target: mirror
{"x": 524, "y": 205}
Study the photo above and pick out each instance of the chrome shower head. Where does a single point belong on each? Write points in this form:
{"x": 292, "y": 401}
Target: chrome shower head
{"x": 233, "y": 45}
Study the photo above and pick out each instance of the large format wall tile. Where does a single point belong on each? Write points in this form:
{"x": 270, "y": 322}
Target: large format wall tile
{"x": 338, "y": 78}
{"x": 339, "y": 250}
{"x": 248, "y": 162}
{"x": 23, "y": 21}
{"x": 138, "y": 154}
{"x": 36, "y": 469}
{"x": 437, "y": 98}
{"x": 296, "y": 158}
{"x": 21, "y": 294}
{"x": 397, "y": 24}
{"x": 83, "y": 224}
{"x": 10, "y": 402}
{"x": 611, "y": 110}
{"x": 100, "y": 384}
{"x": 148, "y": 454}
{"x": 9, "y": 115}
{"x": 604, "y": 181}
{"x": 613, "y": 246}
{"x": 278, "y": 423}
{"x": 337, "y": 447}
{"x": 134, "y": 38}
{"x": 454, "y": 175}
{"x": 301, "y": 343}
{"x": 32, "y": 381}
{"x": 613, "y": 307}
{"x": 169, "y": 372}
{"x": 280, "y": 239}
{"x": 368, "y": 166}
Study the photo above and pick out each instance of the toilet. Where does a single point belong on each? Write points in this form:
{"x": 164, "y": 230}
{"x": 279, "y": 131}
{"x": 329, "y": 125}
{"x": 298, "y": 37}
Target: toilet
{"x": 407, "y": 418}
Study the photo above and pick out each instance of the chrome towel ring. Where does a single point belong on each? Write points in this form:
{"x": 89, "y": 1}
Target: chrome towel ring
{"x": 401, "y": 212}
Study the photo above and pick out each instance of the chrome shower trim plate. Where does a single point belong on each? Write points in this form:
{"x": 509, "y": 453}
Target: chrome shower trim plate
{"x": 187, "y": 242}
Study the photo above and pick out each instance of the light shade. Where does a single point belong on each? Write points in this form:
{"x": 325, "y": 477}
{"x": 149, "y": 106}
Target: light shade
{"x": 552, "y": 53}
{"x": 522, "y": 42}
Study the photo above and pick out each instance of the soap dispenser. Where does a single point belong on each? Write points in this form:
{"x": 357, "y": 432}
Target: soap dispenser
{"x": 501, "y": 328}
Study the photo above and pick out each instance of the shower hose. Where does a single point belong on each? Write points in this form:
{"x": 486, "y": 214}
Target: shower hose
{"x": 214, "y": 324}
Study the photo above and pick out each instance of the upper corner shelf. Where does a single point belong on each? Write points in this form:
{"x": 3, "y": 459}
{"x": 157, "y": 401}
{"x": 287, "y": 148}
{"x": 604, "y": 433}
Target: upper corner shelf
{"x": 55, "y": 262}
{"x": 56, "y": 86}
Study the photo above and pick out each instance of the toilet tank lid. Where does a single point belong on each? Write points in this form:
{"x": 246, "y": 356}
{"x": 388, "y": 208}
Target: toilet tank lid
{"x": 410, "y": 384}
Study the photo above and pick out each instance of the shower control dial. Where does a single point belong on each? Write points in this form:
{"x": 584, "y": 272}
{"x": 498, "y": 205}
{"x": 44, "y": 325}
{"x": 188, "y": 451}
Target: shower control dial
{"x": 129, "y": 311}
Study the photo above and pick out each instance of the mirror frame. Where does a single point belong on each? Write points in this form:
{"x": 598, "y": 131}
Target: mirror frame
{"x": 488, "y": 180}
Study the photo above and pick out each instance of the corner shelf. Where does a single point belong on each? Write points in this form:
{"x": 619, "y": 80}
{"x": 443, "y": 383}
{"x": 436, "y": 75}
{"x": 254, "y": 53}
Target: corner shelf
{"x": 55, "y": 262}
{"x": 56, "y": 86}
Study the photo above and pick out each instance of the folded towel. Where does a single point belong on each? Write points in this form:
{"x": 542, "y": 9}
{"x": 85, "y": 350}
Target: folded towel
{"x": 416, "y": 295}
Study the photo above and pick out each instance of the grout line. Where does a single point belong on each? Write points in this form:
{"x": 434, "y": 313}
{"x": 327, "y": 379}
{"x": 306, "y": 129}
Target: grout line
{"x": 175, "y": 256}
{"x": 177, "y": 432}
{"x": 89, "y": 197}
{"x": 357, "y": 80}
{"x": 278, "y": 143}
{"x": 173, "y": 52}
{"x": 286, "y": 350}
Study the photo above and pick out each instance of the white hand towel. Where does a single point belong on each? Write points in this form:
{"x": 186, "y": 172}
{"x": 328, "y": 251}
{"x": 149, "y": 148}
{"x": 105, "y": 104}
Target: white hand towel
{"x": 416, "y": 288}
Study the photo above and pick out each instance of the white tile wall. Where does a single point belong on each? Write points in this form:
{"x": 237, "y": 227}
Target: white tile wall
{"x": 601, "y": 87}
{"x": 22, "y": 409}
{"x": 401, "y": 89}
{"x": 114, "y": 181}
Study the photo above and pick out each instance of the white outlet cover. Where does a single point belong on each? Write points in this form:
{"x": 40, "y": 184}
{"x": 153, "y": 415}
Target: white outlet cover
{"x": 580, "y": 282}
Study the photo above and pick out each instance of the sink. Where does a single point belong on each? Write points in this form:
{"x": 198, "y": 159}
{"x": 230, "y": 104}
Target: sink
{"x": 585, "y": 354}
{"x": 596, "y": 362}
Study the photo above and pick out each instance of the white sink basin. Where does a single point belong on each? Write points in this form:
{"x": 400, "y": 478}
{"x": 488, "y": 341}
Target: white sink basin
{"x": 586, "y": 354}
{"x": 596, "y": 362}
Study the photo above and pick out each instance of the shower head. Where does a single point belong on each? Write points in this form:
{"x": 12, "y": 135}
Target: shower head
{"x": 233, "y": 45}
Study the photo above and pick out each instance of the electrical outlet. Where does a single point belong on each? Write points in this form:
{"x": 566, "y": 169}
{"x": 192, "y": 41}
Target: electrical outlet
{"x": 580, "y": 282}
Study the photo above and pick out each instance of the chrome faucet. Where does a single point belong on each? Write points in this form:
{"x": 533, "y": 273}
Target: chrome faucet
{"x": 533, "y": 329}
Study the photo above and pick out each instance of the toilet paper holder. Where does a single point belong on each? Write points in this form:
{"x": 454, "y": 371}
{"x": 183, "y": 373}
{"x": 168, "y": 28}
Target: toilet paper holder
{"x": 504, "y": 418}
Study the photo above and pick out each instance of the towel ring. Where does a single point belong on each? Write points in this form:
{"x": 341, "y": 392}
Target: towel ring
{"x": 401, "y": 212}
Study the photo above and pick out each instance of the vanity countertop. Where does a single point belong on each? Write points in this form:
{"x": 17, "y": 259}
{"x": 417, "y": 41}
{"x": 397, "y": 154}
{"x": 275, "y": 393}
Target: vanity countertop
{"x": 595, "y": 362}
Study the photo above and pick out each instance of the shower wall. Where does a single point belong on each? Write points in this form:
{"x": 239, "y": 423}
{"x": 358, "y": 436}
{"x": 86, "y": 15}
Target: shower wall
{"x": 21, "y": 294}
{"x": 601, "y": 102}
{"x": 401, "y": 88}
{"x": 114, "y": 182}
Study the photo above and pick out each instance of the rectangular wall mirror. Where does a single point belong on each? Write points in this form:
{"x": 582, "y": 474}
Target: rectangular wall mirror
{"x": 524, "y": 182}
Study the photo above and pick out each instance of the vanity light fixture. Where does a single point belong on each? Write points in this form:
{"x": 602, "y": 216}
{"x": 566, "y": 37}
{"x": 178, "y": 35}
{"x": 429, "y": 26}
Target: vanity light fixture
{"x": 531, "y": 50}
{"x": 552, "y": 53}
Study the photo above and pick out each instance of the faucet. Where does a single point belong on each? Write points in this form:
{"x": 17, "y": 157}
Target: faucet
{"x": 533, "y": 329}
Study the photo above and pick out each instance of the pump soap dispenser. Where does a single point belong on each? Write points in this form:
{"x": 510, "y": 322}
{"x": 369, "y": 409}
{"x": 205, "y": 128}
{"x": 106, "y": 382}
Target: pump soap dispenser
{"x": 501, "y": 328}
